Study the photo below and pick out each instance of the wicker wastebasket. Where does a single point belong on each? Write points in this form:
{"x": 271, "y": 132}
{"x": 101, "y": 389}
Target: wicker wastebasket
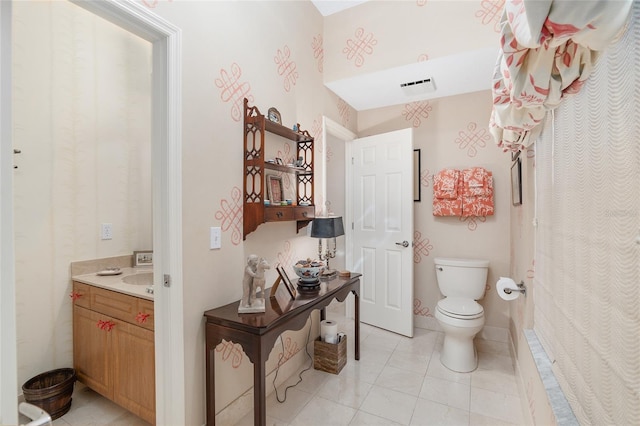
{"x": 330, "y": 357}
{"x": 51, "y": 391}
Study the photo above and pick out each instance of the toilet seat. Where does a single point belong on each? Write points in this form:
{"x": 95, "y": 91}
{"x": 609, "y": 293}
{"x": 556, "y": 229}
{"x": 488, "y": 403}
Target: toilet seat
{"x": 460, "y": 307}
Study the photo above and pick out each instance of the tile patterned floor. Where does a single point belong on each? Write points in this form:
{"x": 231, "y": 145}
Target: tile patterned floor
{"x": 398, "y": 381}
{"x": 90, "y": 409}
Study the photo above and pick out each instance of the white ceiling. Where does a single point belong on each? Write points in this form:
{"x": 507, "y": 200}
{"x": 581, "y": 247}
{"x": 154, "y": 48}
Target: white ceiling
{"x": 329, "y": 7}
{"x": 453, "y": 75}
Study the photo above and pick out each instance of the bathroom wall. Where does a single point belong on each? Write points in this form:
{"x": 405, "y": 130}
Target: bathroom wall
{"x": 276, "y": 53}
{"x": 273, "y": 53}
{"x": 535, "y": 401}
{"x": 453, "y": 132}
{"x": 581, "y": 187}
{"x": 377, "y": 35}
{"x": 270, "y": 53}
{"x": 81, "y": 90}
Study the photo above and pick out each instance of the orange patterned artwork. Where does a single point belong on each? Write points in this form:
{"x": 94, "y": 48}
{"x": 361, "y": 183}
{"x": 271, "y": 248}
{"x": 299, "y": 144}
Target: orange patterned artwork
{"x": 447, "y": 199}
{"x": 477, "y": 197}
{"x": 463, "y": 193}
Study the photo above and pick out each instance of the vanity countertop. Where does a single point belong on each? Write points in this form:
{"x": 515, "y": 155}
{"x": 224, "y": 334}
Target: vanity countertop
{"x": 115, "y": 282}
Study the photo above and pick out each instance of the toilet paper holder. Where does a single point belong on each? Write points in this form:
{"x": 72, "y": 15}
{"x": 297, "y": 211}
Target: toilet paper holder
{"x": 521, "y": 288}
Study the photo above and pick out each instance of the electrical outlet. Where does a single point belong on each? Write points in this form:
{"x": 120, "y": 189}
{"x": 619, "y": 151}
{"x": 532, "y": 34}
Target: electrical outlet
{"x": 216, "y": 237}
{"x": 106, "y": 231}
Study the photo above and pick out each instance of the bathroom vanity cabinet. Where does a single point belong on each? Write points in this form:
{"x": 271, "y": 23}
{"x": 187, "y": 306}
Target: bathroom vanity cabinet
{"x": 113, "y": 347}
{"x": 257, "y": 168}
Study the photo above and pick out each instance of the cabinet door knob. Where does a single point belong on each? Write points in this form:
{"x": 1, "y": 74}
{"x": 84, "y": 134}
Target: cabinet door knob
{"x": 304, "y": 214}
{"x": 75, "y": 295}
{"x": 279, "y": 214}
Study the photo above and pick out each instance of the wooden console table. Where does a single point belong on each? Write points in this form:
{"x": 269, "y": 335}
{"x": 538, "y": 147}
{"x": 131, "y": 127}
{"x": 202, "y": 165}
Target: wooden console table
{"x": 257, "y": 334}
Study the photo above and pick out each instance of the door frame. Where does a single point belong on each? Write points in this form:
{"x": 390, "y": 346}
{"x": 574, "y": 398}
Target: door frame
{"x": 166, "y": 152}
{"x": 332, "y": 128}
{"x": 8, "y": 334}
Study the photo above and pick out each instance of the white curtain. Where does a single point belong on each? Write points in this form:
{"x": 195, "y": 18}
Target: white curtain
{"x": 548, "y": 49}
{"x": 587, "y": 262}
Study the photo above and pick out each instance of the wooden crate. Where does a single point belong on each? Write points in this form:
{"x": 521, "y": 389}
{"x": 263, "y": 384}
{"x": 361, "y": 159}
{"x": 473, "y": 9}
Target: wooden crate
{"x": 330, "y": 357}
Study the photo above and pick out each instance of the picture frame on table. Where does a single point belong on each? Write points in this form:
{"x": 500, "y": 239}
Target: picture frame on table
{"x": 287, "y": 281}
{"x": 275, "y": 190}
{"x": 143, "y": 258}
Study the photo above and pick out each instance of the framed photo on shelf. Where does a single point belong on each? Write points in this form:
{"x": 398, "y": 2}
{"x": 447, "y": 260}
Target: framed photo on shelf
{"x": 143, "y": 258}
{"x": 286, "y": 281}
{"x": 275, "y": 189}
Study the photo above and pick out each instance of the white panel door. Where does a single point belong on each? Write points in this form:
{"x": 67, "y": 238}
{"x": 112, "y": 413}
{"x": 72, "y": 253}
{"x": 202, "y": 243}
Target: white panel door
{"x": 382, "y": 228}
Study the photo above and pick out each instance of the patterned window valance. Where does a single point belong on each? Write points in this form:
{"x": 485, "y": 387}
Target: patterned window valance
{"x": 548, "y": 48}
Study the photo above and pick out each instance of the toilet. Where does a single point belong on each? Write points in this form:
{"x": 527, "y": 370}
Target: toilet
{"x": 462, "y": 282}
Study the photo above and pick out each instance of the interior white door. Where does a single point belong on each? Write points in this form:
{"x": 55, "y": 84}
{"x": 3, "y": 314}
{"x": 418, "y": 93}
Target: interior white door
{"x": 382, "y": 228}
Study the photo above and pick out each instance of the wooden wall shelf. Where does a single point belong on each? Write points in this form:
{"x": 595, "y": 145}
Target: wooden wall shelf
{"x": 255, "y": 213}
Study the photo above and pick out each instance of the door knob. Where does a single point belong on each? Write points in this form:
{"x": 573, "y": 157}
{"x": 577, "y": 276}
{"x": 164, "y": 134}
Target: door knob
{"x": 405, "y": 243}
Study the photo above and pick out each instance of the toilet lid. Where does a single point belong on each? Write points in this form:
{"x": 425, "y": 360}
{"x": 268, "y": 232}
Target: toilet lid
{"x": 460, "y": 307}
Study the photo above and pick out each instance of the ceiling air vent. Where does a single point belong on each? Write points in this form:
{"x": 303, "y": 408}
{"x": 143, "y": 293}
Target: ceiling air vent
{"x": 418, "y": 87}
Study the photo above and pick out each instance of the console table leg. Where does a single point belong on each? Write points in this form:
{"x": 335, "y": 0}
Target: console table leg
{"x": 259, "y": 389}
{"x": 356, "y": 301}
{"x": 211, "y": 387}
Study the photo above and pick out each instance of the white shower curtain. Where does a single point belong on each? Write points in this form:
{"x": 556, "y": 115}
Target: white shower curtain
{"x": 548, "y": 49}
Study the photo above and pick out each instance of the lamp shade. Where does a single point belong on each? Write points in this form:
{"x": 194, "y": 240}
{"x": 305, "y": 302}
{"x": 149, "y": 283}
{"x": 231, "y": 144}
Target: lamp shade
{"x": 327, "y": 227}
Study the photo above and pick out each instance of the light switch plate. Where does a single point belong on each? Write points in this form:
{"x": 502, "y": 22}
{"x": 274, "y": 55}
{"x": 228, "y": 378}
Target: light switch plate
{"x": 106, "y": 231}
{"x": 216, "y": 237}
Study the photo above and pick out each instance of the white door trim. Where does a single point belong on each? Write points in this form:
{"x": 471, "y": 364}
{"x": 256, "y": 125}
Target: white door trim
{"x": 166, "y": 149}
{"x": 8, "y": 335}
{"x": 330, "y": 127}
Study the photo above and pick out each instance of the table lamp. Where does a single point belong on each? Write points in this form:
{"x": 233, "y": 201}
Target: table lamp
{"x": 327, "y": 227}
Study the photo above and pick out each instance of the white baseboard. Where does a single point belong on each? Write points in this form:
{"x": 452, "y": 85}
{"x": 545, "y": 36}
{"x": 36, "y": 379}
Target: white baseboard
{"x": 524, "y": 402}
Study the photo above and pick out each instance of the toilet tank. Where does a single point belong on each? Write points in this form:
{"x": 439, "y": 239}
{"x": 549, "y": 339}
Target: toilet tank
{"x": 462, "y": 277}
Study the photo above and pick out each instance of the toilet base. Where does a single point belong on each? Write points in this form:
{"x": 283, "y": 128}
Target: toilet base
{"x": 459, "y": 354}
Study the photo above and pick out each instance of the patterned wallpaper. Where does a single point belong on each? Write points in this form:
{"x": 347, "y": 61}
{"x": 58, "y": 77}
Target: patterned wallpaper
{"x": 586, "y": 260}
{"x": 265, "y": 52}
{"x": 384, "y": 34}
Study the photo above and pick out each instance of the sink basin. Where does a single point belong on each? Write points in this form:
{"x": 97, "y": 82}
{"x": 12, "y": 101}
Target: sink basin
{"x": 142, "y": 278}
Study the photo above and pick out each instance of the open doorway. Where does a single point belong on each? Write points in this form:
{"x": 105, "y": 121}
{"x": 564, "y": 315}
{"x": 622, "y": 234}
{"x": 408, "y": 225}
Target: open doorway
{"x": 334, "y": 161}
{"x": 82, "y": 124}
{"x": 165, "y": 148}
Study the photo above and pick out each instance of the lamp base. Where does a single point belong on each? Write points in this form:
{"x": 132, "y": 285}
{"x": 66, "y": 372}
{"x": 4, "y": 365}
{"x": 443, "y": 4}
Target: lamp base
{"x": 308, "y": 286}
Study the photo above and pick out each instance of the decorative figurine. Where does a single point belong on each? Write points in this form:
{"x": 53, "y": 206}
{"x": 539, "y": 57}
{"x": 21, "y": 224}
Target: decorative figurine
{"x": 253, "y": 279}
